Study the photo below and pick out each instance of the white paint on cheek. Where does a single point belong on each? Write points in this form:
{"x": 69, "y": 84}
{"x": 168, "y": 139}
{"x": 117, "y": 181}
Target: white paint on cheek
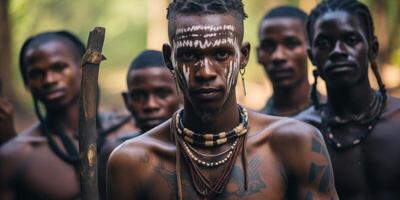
{"x": 186, "y": 72}
{"x": 235, "y": 66}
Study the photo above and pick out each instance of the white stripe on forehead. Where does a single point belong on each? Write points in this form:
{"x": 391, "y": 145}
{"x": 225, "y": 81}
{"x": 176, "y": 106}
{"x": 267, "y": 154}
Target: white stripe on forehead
{"x": 226, "y": 27}
{"x": 205, "y": 43}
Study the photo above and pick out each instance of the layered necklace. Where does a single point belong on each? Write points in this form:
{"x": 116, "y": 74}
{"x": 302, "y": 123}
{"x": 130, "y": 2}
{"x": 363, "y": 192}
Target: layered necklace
{"x": 186, "y": 141}
{"x": 368, "y": 119}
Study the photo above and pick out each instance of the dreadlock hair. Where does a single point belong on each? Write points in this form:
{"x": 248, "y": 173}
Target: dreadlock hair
{"x": 202, "y": 7}
{"x": 33, "y": 42}
{"x": 39, "y": 39}
{"x": 358, "y": 9}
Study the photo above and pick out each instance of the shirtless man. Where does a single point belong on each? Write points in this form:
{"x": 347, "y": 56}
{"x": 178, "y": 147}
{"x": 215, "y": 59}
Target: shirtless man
{"x": 213, "y": 148}
{"x": 42, "y": 162}
{"x": 151, "y": 98}
{"x": 282, "y": 51}
{"x": 361, "y": 126}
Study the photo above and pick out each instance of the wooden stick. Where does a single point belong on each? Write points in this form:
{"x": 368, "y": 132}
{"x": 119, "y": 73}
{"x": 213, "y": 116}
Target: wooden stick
{"x": 87, "y": 114}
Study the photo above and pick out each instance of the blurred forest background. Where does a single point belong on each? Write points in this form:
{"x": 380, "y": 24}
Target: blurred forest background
{"x": 135, "y": 25}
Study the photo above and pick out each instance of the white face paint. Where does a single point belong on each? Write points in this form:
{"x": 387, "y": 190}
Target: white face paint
{"x": 204, "y": 37}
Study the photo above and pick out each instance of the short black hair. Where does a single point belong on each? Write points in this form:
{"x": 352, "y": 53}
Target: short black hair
{"x": 205, "y": 7}
{"x": 202, "y": 7}
{"x": 146, "y": 59}
{"x": 65, "y": 36}
{"x": 286, "y": 11}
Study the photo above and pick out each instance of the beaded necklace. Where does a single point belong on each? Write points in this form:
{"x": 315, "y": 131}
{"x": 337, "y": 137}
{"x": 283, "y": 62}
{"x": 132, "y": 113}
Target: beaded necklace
{"x": 209, "y": 140}
{"x": 205, "y": 187}
{"x": 370, "y": 118}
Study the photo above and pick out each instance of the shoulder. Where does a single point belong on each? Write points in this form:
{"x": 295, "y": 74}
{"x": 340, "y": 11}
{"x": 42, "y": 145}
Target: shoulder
{"x": 14, "y": 152}
{"x": 392, "y": 107}
{"x": 285, "y": 135}
{"x": 142, "y": 151}
{"x": 309, "y": 115}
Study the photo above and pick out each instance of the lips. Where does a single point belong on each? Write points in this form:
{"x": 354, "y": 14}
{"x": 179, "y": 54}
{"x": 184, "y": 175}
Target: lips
{"x": 281, "y": 73}
{"x": 206, "y": 93}
{"x": 54, "y": 94}
{"x": 340, "y": 68}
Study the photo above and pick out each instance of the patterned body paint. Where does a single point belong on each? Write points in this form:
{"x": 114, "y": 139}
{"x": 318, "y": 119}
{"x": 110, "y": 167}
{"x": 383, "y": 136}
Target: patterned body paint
{"x": 204, "y": 37}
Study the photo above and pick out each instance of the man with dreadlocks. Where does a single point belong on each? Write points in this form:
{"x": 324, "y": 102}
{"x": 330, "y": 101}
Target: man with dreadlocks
{"x": 360, "y": 125}
{"x": 214, "y": 148}
{"x": 42, "y": 162}
{"x": 282, "y": 52}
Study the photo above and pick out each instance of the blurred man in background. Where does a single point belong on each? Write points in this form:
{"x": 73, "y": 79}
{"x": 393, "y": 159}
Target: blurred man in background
{"x": 282, "y": 52}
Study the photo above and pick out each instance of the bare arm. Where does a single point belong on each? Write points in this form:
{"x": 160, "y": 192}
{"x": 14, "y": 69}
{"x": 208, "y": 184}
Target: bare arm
{"x": 308, "y": 164}
{"x": 126, "y": 174}
{"x": 12, "y": 155}
{"x": 7, "y": 129}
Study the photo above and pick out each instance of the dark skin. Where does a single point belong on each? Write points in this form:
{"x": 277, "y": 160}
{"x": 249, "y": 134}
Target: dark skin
{"x": 282, "y": 154}
{"x": 6, "y": 120}
{"x": 340, "y": 51}
{"x": 152, "y": 99}
{"x": 282, "y": 51}
{"x": 30, "y": 169}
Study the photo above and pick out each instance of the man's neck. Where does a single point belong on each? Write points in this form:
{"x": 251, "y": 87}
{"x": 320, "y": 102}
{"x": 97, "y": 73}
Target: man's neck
{"x": 67, "y": 118}
{"x": 291, "y": 98}
{"x": 224, "y": 119}
{"x": 350, "y": 99}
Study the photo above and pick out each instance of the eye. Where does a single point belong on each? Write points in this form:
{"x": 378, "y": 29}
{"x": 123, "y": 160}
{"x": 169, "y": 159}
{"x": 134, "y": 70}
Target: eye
{"x": 322, "y": 43}
{"x": 35, "y": 74}
{"x": 268, "y": 46}
{"x": 187, "y": 56}
{"x": 222, "y": 55}
{"x": 292, "y": 43}
{"x": 137, "y": 96}
{"x": 59, "y": 67}
{"x": 353, "y": 39}
{"x": 163, "y": 93}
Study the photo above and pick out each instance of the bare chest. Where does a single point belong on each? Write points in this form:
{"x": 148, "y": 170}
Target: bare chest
{"x": 370, "y": 170}
{"x": 44, "y": 176}
{"x": 265, "y": 180}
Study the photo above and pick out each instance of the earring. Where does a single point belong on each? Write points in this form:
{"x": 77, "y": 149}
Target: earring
{"x": 242, "y": 72}
{"x": 176, "y": 81}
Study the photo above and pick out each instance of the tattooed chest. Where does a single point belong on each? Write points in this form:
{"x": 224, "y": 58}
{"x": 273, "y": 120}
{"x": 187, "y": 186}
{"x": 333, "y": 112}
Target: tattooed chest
{"x": 260, "y": 185}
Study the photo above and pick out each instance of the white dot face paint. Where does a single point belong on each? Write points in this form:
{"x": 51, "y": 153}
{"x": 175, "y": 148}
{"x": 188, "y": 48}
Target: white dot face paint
{"x": 200, "y": 38}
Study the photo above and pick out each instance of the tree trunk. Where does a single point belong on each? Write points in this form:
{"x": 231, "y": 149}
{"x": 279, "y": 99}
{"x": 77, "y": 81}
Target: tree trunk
{"x": 6, "y": 74}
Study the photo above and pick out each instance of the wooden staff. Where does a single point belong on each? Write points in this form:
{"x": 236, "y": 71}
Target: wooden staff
{"x": 88, "y": 112}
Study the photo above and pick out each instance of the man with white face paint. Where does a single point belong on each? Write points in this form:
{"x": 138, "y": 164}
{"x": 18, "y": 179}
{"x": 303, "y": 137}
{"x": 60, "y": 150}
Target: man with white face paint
{"x": 213, "y": 148}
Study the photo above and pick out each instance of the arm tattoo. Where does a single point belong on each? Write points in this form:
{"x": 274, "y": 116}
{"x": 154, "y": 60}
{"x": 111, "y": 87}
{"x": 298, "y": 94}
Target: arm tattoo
{"x": 315, "y": 171}
{"x": 256, "y": 183}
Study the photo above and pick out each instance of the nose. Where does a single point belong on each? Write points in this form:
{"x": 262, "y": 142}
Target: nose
{"x": 206, "y": 71}
{"x": 278, "y": 57}
{"x": 50, "y": 78}
{"x": 151, "y": 105}
{"x": 339, "y": 52}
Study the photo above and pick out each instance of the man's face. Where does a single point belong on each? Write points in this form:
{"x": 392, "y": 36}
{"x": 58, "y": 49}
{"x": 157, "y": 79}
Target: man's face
{"x": 53, "y": 74}
{"x": 207, "y": 55}
{"x": 283, "y": 51}
{"x": 152, "y": 97}
{"x": 340, "y": 49}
